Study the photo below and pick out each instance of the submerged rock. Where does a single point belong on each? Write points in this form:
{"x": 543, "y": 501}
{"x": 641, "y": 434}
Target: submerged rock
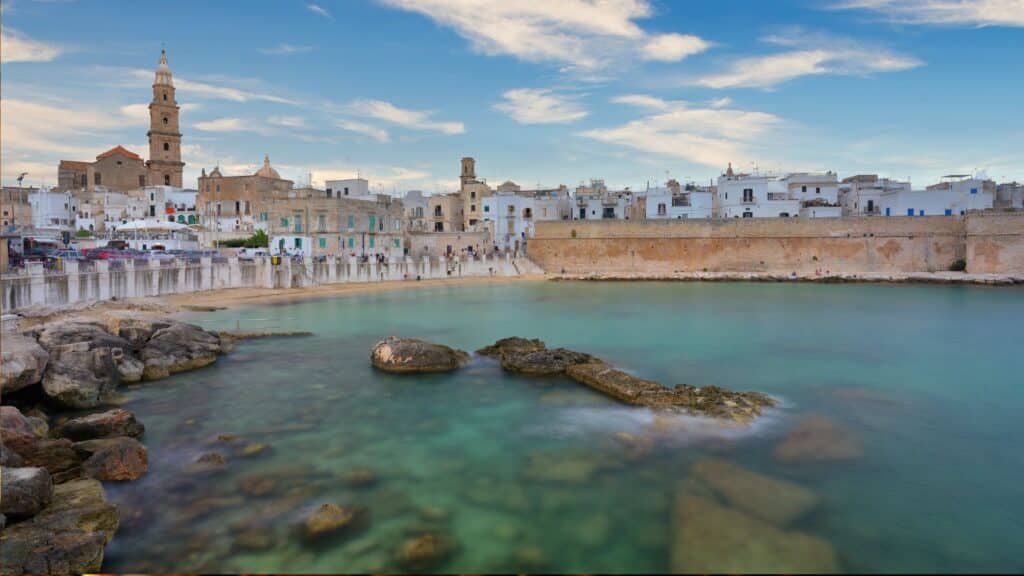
{"x": 178, "y": 348}
{"x": 116, "y": 422}
{"x": 818, "y": 439}
{"x": 23, "y": 363}
{"x": 424, "y": 552}
{"x": 120, "y": 458}
{"x": 775, "y": 500}
{"x": 546, "y": 362}
{"x": 394, "y": 354}
{"x": 554, "y": 467}
{"x": 24, "y": 491}
{"x": 359, "y": 478}
{"x": 331, "y": 521}
{"x": 67, "y": 537}
{"x": 513, "y": 345}
{"x": 708, "y": 537}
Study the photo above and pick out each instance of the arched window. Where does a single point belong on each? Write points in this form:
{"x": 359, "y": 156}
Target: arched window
{"x": 167, "y": 179}
{"x": 166, "y": 146}
{"x": 165, "y": 120}
{"x": 165, "y": 96}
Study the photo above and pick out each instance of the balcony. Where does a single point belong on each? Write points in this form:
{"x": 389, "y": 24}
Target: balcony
{"x": 778, "y": 196}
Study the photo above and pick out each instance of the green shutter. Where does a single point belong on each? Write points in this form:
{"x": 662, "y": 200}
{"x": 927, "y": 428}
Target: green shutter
{"x": 398, "y": 243}
{"x": 323, "y": 242}
{"x": 284, "y": 222}
{"x": 371, "y": 238}
{"x": 351, "y": 241}
{"x": 373, "y": 223}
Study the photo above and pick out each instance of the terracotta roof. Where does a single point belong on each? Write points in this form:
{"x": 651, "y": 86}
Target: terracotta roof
{"x": 73, "y": 165}
{"x": 119, "y": 150}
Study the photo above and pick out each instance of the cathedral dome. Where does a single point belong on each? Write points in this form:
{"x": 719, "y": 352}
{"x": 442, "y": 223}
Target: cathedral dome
{"x": 215, "y": 173}
{"x": 267, "y": 171}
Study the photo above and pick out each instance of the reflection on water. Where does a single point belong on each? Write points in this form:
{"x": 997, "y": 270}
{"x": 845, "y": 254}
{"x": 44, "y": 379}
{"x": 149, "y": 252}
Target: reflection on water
{"x": 893, "y": 449}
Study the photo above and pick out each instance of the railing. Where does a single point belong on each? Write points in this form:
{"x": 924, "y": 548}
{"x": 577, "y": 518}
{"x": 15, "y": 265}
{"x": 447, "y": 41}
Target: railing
{"x": 778, "y": 196}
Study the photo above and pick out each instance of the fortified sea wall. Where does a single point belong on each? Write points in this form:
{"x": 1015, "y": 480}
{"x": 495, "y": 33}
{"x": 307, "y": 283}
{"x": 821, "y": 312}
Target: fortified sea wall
{"x": 990, "y": 244}
{"x": 104, "y": 280}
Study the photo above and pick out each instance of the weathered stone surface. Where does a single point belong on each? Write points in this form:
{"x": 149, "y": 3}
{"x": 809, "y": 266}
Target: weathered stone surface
{"x": 116, "y": 422}
{"x": 615, "y": 383}
{"x": 177, "y": 348}
{"x": 93, "y": 333}
{"x": 394, "y": 354}
{"x": 424, "y": 552}
{"x": 24, "y": 491}
{"x": 22, "y": 364}
{"x": 120, "y": 458}
{"x": 67, "y": 537}
{"x": 136, "y": 330}
{"x": 775, "y": 500}
{"x": 55, "y": 455}
{"x": 80, "y": 376}
{"x": 545, "y": 362}
{"x": 818, "y": 439}
{"x": 513, "y": 345}
{"x": 9, "y": 457}
{"x": 708, "y": 537}
{"x": 332, "y": 521}
{"x": 14, "y": 423}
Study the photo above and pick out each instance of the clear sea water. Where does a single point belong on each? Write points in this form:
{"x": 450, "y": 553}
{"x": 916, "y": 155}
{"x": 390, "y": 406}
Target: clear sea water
{"x": 928, "y": 379}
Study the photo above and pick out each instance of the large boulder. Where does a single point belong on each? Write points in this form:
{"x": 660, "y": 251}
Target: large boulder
{"x": 116, "y": 422}
{"x": 67, "y": 332}
{"x": 708, "y": 537}
{"x": 81, "y": 376}
{"x": 14, "y": 423}
{"x": 330, "y": 521}
{"x": 24, "y": 491}
{"x": 55, "y": 455}
{"x": 67, "y": 537}
{"x": 136, "y": 330}
{"x": 177, "y": 348}
{"x": 394, "y": 354}
{"x": 120, "y": 458}
{"x": 543, "y": 362}
{"x": 773, "y": 499}
{"x": 22, "y": 364}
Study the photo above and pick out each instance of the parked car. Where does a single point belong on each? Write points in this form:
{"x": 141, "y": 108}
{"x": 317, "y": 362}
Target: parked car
{"x": 67, "y": 254}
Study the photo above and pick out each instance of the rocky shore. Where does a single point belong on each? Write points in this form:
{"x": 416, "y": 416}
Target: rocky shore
{"x": 533, "y": 358}
{"x": 61, "y": 438}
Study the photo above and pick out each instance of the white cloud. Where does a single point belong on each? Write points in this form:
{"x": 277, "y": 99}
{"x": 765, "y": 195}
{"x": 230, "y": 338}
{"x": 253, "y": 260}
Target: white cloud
{"x": 538, "y": 106}
{"x": 709, "y": 136}
{"x": 287, "y": 121}
{"x": 417, "y": 119}
{"x": 227, "y": 125}
{"x": 578, "y": 34}
{"x": 378, "y": 134}
{"x": 821, "y": 55}
{"x": 720, "y": 102}
{"x": 137, "y": 113}
{"x": 673, "y": 47}
{"x": 945, "y": 12}
{"x": 285, "y": 49}
{"x": 319, "y": 10}
{"x": 16, "y": 47}
{"x": 215, "y": 91}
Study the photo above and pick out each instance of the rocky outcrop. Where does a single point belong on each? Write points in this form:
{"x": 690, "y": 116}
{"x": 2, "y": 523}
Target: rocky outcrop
{"x": 330, "y": 521}
{"x": 404, "y": 355}
{"x": 14, "y": 423}
{"x": 23, "y": 363}
{"x": 544, "y": 362}
{"x": 513, "y": 345}
{"x": 136, "y": 330}
{"x": 117, "y": 459}
{"x": 25, "y": 443}
{"x": 116, "y": 422}
{"x": 24, "y": 491}
{"x": 773, "y": 499}
{"x": 66, "y": 537}
{"x": 818, "y": 439}
{"x": 80, "y": 376}
{"x": 178, "y": 348}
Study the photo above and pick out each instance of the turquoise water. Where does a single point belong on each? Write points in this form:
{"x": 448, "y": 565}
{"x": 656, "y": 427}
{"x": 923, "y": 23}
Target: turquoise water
{"x": 926, "y": 379}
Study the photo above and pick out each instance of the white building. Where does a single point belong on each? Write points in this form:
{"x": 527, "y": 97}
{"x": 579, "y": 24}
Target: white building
{"x": 352, "y": 187}
{"x": 818, "y": 193}
{"x": 861, "y": 195}
{"x": 673, "y": 202}
{"x": 55, "y": 210}
{"x": 172, "y": 203}
{"x": 955, "y": 195}
{"x": 415, "y": 206}
{"x": 810, "y": 195}
{"x": 509, "y": 213}
{"x": 105, "y": 210}
{"x": 596, "y": 202}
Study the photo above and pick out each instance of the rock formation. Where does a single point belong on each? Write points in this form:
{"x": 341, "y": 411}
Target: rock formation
{"x": 394, "y": 354}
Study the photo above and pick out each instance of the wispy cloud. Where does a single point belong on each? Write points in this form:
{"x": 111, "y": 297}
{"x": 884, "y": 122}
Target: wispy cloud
{"x": 416, "y": 119}
{"x": 709, "y": 136}
{"x": 287, "y": 121}
{"x": 818, "y": 55}
{"x": 285, "y": 49}
{"x": 229, "y": 124}
{"x": 215, "y": 91}
{"x": 540, "y": 106}
{"x": 944, "y": 12}
{"x": 577, "y": 34}
{"x": 319, "y": 10}
{"x": 16, "y": 47}
{"x": 378, "y": 134}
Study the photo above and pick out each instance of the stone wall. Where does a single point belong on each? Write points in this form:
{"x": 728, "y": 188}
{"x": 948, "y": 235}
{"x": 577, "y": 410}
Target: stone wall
{"x": 104, "y": 280}
{"x": 989, "y": 243}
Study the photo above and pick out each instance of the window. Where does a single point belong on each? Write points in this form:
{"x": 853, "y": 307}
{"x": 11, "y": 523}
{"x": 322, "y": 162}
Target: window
{"x": 437, "y": 211}
{"x": 166, "y": 146}
{"x": 910, "y": 211}
{"x": 974, "y": 190}
{"x": 351, "y": 221}
{"x": 165, "y": 120}
{"x": 167, "y": 179}
{"x": 748, "y": 194}
{"x": 351, "y": 242}
{"x": 661, "y": 209}
{"x": 298, "y": 243}
{"x": 323, "y": 242}
{"x": 949, "y": 212}
{"x": 165, "y": 96}
{"x": 804, "y": 188}
{"x": 84, "y": 180}
{"x": 346, "y": 190}
{"x": 152, "y": 211}
{"x": 298, "y": 222}
{"x": 321, "y": 223}
{"x": 142, "y": 180}
{"x": 97, "y": 178}
{"x": 472, "y": 196}
{"x": 472, "y": 207}
{"x": 371, "y": 241}
{"x": 438, "y": 226}
{"x": 263, "y": 216}
{"x": 372, "y": 223}
{"x": 487, "y": 208}
{"x": 398, "y": 243}
{"x": 238, "y": 207}
{"x": 284, "y": 222}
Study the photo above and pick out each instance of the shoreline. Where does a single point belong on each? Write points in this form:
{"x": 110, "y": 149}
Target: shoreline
{"x": 861, "y": 278}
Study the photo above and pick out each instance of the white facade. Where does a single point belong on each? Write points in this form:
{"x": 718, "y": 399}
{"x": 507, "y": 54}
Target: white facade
{"x": 674, "y": 203}
{"x": 799, "y": 194}
{"x": 172, "y": 203}
{"x": 351, "y": 187}
{"x": 596, "y": 202}
{"x": 52, "y": 209}
{"x": 861, "y": 195}
{"x": 953, "y": 197}
{"x": 512, "y": 216}
{"x": 291, "y": 245}
{"x": 415, "y": 205}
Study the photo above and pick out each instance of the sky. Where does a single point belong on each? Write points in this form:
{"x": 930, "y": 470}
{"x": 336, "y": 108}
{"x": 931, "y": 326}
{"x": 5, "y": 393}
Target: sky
{"x": 548, "y": 93}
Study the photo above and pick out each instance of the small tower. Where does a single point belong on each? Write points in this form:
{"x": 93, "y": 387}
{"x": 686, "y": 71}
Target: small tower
{"x": 164, "y": 166}
{"x": 468, "y": 170}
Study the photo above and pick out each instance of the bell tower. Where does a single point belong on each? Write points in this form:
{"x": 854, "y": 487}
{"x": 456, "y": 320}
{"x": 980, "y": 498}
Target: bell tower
{"x": 164, "y": 166}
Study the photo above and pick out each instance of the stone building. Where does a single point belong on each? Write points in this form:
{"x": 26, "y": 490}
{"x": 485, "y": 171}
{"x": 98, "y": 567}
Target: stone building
{"x": 445, "y": 213}
{"x": 225, "y": 203}
{"x": 17, "y": 211}
{"x": 415, "y": 204}
{"x": 472, "y": 193}
{"x": 116, "y": 169}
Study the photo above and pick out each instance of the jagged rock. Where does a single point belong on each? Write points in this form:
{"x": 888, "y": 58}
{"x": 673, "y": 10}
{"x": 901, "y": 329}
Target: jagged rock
{"x": 55, "y": 455}
{"x": 80, "y": 376}
{"x": 120, "y": 458}
{"x": 66, "y": 537}
{"x": 116, "y": 422}
{"x": 331, "y": 521}
{"x": 394, "y": 354}
{"x": 775, "y": 500}
{"x": 177, "y": 348}
{"x": 14, "y": 423}
{"x": 513, "y": 345}
{"x": 709, "y": 538}
{"x": 24, "y": 491}
{"x": 545, "y": 362}
{"x": 136, "y": 330}
{"x": 818, "y": 439}
{"x": 424, "y": 552}
{"x": 254, "y": 449}
{"x": 23, "y": 363}
{"x": 208, "y": 462}
{"x": 93, "y": 333}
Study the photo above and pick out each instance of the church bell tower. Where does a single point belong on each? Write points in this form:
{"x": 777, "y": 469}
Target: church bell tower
{"x": 164, "y": 165}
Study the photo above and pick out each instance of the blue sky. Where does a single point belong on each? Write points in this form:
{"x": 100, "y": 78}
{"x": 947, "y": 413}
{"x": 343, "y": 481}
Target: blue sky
{"x": 549, "y": 92}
